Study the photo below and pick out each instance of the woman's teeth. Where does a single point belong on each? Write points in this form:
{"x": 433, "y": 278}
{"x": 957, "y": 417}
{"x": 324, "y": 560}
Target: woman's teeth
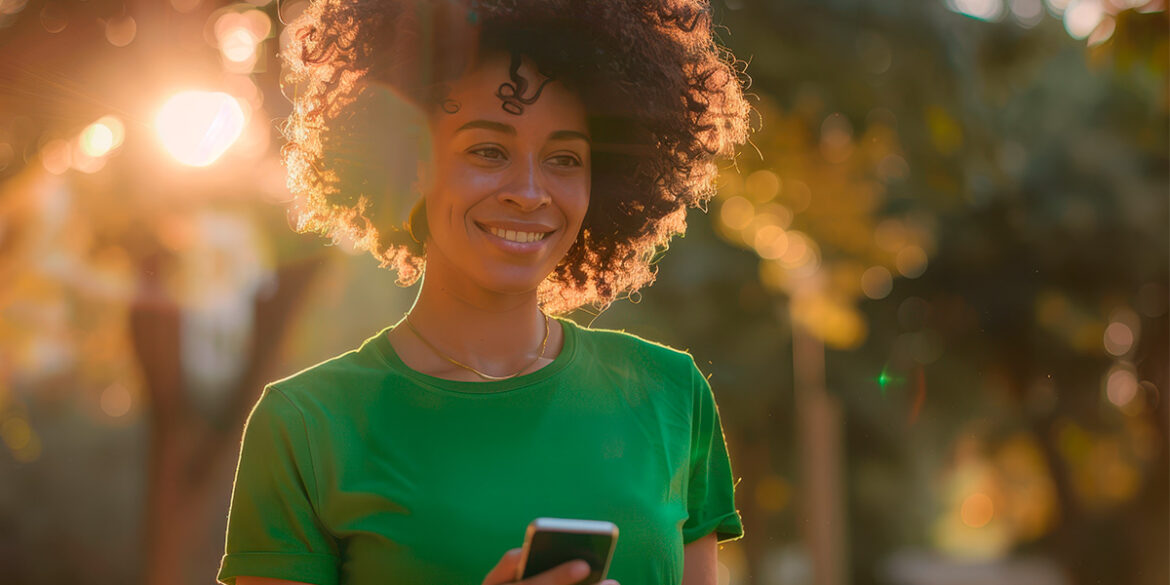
{"x": 514, "y": 236}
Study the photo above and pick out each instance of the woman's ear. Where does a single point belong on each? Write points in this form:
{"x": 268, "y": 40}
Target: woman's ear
{"x": 417, "y": 225}
{"x": 424, "y": 183}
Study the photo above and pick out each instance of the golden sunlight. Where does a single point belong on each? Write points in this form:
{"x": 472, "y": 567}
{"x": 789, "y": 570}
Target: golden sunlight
{"x": 197, "y": 127}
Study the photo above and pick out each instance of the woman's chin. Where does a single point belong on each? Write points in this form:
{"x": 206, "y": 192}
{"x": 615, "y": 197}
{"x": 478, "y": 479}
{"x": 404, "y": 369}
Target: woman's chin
{"x": 512, "y": 287}
{"x": 511, "y": 280}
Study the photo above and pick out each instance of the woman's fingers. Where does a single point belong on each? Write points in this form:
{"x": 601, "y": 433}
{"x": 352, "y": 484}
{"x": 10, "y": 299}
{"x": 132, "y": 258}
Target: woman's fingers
{"x": 505, "y": 570}
{"x": 568, "y": 573}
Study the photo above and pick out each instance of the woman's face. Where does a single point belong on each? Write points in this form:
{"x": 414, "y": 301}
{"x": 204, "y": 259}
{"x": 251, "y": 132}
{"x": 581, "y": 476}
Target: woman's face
{"x": 507, "y": 193}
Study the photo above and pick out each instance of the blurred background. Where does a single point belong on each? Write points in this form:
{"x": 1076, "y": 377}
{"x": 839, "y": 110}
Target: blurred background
{"x": 931, "y": 296}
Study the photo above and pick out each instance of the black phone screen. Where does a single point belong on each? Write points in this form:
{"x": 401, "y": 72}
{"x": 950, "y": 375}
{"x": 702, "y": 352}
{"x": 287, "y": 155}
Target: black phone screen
{"x": 550, "y": 549}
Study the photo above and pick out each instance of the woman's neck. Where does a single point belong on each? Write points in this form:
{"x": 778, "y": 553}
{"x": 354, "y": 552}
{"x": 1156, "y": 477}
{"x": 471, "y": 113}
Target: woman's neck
{"x": 482, "y": 324}
{"x": 495, "y": 333}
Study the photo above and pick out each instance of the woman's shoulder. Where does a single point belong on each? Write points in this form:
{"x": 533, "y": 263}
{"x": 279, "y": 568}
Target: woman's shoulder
{"x": 617, "y": 345}
{"x": 352, "y": 369}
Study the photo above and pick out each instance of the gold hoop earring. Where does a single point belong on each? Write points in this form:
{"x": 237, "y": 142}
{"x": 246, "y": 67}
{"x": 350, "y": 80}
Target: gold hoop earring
{"x": 416, "y": 226}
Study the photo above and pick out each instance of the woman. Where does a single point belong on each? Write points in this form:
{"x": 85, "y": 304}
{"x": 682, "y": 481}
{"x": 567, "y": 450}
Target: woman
{"x": 566, "y": 141}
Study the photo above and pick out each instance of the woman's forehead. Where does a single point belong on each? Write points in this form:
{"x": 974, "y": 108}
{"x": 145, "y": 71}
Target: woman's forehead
{"x": 511, "y": 93}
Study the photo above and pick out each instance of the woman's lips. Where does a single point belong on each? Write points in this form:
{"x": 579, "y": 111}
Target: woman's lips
{"x": 517, "y": 235}
{"x": 515, "y": 240}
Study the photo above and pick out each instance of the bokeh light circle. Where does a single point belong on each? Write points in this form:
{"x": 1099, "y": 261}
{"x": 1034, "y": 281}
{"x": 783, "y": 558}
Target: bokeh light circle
{"x": 1121, "y": 386}
{"x": 977, "y": 510}
{"x": 1118, "y": 338}
{"x": 877, "y": 282}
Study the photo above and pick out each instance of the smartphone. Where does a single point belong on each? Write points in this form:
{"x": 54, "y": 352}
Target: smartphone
{"x": 550, "y": 542}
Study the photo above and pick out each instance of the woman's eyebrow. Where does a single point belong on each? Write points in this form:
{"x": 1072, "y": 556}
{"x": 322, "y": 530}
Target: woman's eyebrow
{"x": 488, "y": 125}
{"x": 511, "y": 130}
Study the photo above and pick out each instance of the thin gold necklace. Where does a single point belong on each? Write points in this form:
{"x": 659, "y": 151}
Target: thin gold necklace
{"x": 543, "y": 345}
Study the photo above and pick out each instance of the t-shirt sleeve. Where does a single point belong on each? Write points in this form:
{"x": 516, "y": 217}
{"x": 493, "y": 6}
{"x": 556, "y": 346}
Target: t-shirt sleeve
{"x": 273, "y": 529}
{"x": 711, "y": 491}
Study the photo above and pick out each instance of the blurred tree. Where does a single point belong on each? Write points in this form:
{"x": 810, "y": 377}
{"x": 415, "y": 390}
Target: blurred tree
{"x": 201, "y": 271}
{"x": 1030, "y": 172}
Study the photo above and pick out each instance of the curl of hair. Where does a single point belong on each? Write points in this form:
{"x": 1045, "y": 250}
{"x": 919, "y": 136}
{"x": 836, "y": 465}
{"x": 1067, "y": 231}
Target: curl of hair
{"x": 664, "y": 101}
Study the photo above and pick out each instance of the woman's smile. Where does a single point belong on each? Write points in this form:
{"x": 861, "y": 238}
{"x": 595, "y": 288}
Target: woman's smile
{"x": 515, "y": 237}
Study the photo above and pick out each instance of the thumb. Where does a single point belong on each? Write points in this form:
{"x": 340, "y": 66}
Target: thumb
{"x": 505, "y": 570}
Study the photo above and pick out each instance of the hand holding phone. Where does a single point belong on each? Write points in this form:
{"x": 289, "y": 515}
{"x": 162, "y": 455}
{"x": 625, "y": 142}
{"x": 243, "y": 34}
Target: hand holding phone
{"x": 522, "y": 563}
{"x": 504, "y": 573}
{"x": 552, "y": 542}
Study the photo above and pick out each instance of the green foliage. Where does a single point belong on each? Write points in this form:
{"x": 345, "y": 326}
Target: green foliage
{"x": 1039, "y": 166}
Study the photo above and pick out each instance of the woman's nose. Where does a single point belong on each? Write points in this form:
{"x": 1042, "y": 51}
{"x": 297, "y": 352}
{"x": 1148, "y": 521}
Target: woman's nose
{"x": 527, "y": 190}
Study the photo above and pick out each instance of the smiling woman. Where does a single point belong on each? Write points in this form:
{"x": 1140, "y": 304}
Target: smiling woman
{"x": 524, "y": 177}
{"x": 562, "y": 143}
{"x": 662, "y": 103}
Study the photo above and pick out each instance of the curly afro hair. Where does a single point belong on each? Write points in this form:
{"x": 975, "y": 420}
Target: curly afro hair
{"x": 664, "y": 101}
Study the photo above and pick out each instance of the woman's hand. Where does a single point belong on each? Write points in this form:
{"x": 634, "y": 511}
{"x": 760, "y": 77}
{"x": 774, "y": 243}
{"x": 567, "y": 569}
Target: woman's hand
{"x": 569, "y": 573}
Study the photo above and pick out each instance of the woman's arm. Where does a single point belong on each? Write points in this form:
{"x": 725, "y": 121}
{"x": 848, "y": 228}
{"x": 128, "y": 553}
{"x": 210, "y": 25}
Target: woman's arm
{"x": 698, "y": 561}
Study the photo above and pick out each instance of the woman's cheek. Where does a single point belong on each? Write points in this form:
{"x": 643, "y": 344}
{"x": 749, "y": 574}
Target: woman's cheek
{"x": 575, "y": 187}
{"x": 464, "y": 176}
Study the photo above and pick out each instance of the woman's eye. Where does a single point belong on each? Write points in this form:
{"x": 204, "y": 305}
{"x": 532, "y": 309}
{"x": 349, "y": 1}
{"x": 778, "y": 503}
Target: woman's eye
{"x": 488, "y": 153}
{"x": 566, "y": 160}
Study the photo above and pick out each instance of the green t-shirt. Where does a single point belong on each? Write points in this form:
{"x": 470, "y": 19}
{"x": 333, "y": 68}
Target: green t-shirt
{"x": 361, "y": 470}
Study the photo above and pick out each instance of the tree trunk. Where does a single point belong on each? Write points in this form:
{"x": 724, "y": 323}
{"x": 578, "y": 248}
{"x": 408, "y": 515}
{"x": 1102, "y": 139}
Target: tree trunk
{"x": 187, "y": 449}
